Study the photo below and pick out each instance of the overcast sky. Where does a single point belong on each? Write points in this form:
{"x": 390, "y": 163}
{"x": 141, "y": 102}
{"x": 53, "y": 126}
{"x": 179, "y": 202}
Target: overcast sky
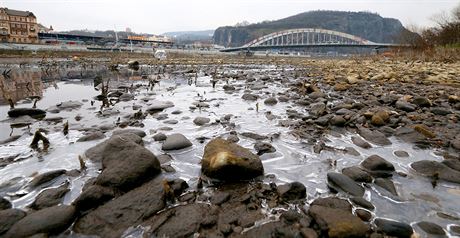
{"x": 154, "y": 16}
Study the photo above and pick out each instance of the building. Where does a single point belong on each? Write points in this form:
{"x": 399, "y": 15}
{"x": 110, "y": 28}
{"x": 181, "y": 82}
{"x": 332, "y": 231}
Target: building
{"x": 18, "y": 26}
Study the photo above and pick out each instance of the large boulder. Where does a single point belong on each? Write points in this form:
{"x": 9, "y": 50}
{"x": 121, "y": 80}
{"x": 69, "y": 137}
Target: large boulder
{"x": 176, "y": 142}
{"x": 338, "y": 222}
{"x": 126, "y": 165}
{"x": 227, "y": 161}
{"x": 52, "y": 220}
{"x": 50, "y": 197}
{"x": 8, "y": 217}
{"x": 393, "y": 228}
{"x": 341, "y": 182}
{"x": 436, "y": 169}
{"x": 95, "y": 153}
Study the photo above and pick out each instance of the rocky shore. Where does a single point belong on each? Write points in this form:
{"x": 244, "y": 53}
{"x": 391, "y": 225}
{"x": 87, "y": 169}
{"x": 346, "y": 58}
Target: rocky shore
{"x": 142, "y": 174}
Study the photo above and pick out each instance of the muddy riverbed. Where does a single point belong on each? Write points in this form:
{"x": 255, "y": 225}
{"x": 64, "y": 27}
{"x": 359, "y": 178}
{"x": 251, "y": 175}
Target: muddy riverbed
{"x": 396, "y": 143}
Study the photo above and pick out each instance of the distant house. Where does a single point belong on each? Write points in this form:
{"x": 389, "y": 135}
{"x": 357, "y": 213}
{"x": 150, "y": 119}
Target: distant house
{"x": 18, "y": 26}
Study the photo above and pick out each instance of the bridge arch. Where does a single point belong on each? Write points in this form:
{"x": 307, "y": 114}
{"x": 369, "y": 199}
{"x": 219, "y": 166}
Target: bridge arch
{"x": 307, "y": 36}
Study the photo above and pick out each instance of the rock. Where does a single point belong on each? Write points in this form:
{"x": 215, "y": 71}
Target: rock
{"x": 50, "y": 197}
{"x": 92, "y": 136}
{"x": 228, "y": 88}
{"x": 421, "y": 102}
{"x": 159, "y": 137}
{"x": 137, "y": 132}
{"x": 249, "y": 97}
{"x": 52, "y": 220}
{"x": 344, "y": 183}
{"x": 441, "y": 111}
{"x": 10, "y": 139}
{"x": 200, "y": 121}
{"x": 375, "y": 137}
{"x": 9, "y": 217}
{"x": 357, "y": 174}
{"x": 125, "y": 97}
{"x": 176, "y": 142}
{"x": 455, "y": 143}
{"x": 401, "y": 153}
{"x": 377, "y": 163}
{"x": 431, "y": 228}
{"x": 376, "y": 120}
{"x": 393, "y": 228}
{"x": 45, "y": 178}
{"x": 233, "y": 138}
{"x": 254, "y": 136}
{"x": 181, "y": 221}
{"x": 422, "y": 129}
{"x": 22, "y": 121}
{"x": 171, "y": 122}
{"x": 229, "y": 162}
{"x": 219, "y": 197}
{"x": 130, "y": 209}
{"x": 69, "y": 105}
{"x": 95, "y": 153}
{"x": 332, "y": 202}
{"x": 405, "y": 106}
{"x": 317, "y": 109}
{"x": 4, "y": 204}
{"x": 338, "y": 120}
{"x": 338, "y": 223}
{"x": 292, "y": 191}
{"x": 126, "y": 165}
{"x": 93, "y": 197}
{"x": 434, "y": 168}
{"x": 452, "y": 163}
{"x": 363, "y": 214}
{"x": 360, "y": 142}
{"x": 263, "y": 147}
{"x": 158, "y": 106}
{"x": 32, "y": 112}
{"x": 386, "y": 184}
{"x": 270, "y": 101}
{"x": 362, "y": 202}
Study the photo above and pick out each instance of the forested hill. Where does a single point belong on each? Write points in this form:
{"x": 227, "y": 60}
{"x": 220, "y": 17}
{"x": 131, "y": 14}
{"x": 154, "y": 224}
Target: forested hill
{"x": 367, "y": 25}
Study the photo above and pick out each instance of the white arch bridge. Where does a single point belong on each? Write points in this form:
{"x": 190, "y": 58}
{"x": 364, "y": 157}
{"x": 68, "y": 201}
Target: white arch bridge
{"x": 307, "y": 38}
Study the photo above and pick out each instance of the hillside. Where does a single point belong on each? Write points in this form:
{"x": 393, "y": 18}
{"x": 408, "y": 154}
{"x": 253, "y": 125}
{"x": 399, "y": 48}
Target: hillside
{"x": 367, "y": 25}
{"x": 190, "y": 36}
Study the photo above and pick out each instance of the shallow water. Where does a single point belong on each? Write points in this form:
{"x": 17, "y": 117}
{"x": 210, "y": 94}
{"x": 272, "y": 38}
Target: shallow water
{"x": 294, "y": 159}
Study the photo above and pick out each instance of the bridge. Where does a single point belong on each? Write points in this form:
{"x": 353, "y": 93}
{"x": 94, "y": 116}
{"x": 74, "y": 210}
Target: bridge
{"x": 308, "y": 38}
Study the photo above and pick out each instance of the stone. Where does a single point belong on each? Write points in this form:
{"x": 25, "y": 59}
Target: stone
{"x": 386, "y": 184}
{"x": 405, "y": 106}
{"x": 52, "y": 220}
{"x": 338, "y": 120}
{"x": 421, "y": 102}
{"x": 92, "y": 136}
{"x": 270, "y": 101}
{"x": 50, "y": 197}
{"x": 32, "y": 112}
{"x": 317, "y": 109}
{"x": 130, "y": 209}
{"x": 9, "y": 217}
{"x": 436, "y": 169}
{"x": 249, "y": 97}
{"x": 338, "y": 223}
{"x": 200, "y": 121}
{"x": 452, "y": 163}
{"x": 344, "y": 183}
{"x": 45, "y": 178}
{"x": 158, "y": 106}
{"x": 171, "y": 122}
{"x": 362, "y": 203}
{"x": 93, "y": 197}
{"x": 229, "y": 162}
{"x": 401, "y": 153}
{"x": 377, "y": 163}
{"x": 137, "y": 132}
{"x": 125, "y": 97}
{"x": 220, "y": 197}
{"x": 292, "y": 191}
{"x": 393, "y": 228}
{"x": 363, "y": 214}
{"x": 373, "y": 136}
{"x": 126, "y": 165}
{"x": 228, "y": 88}
{"x": 431, "y": 228}
{"x": 376, "y": 120}
{"x": 357, "y": 174}
{"x": 333, "y": 202}
{"x": 422, "y": 129}
{"x": 164, "y": 158}
{"x": 95, "y": 153}
{"x": 263, "y": 147}
{"x": 360, "y": 142}
{"x": 4, "y": 204}
{"x": 254, "y": 136}
{"x": 441, "y": 111}
{"x": 159, "y": 137}
{"x": 455, "y": 143}
{"x": 176, "y": 142}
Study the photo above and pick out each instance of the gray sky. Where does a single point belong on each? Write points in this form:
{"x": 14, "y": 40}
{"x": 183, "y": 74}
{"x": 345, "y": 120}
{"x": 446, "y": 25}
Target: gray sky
{"x": 153, "y": 16}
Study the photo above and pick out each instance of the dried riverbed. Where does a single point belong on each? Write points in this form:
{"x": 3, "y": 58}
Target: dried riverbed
{"x": 310, "y": 122}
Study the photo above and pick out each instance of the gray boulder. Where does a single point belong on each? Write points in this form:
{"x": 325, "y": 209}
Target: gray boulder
{"x": 176, "y": 142}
